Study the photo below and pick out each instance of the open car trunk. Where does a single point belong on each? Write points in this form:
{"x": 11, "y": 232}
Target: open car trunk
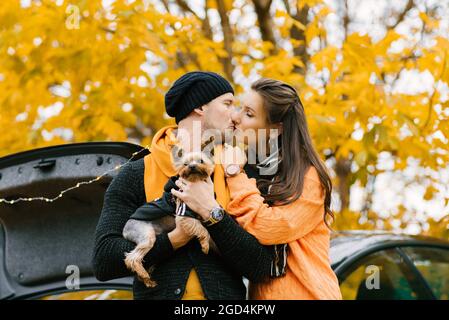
{"x": 42, "y": 243}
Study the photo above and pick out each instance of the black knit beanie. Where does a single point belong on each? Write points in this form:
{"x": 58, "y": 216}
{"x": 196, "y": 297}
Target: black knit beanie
{"x": 193, "y": 90}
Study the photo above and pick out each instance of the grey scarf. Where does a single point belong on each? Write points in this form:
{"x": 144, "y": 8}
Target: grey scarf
{"x": 269, "y": 166}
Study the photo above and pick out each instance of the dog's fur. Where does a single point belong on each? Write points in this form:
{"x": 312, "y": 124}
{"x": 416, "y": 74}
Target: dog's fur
{"x": 192, "y": 166}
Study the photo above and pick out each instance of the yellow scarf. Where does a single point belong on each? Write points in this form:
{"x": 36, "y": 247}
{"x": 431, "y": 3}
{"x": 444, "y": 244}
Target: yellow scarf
{"x": 159, "y": 168}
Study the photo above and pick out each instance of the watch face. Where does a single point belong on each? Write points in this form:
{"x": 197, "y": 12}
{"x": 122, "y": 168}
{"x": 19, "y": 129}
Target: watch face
{"x": 232, "y": 169}
{"x": 217, "y": 213}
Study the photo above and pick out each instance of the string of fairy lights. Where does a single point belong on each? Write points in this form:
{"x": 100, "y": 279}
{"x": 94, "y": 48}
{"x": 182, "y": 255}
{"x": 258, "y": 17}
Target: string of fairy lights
{"x": 79, "y": 184}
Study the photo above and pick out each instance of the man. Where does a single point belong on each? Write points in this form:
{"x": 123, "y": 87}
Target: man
{"x": 182, "y": 270}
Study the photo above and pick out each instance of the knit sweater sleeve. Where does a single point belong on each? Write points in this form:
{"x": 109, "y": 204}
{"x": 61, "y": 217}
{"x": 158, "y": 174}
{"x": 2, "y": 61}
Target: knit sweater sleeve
{"x": 123, "y": 196}
{"x": 241, "y": 250}
{"x": 276, "y": 224}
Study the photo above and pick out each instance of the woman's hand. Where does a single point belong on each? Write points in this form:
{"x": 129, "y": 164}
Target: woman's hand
{"x": 233, "y": 155}
{"x": 198, "y": 196}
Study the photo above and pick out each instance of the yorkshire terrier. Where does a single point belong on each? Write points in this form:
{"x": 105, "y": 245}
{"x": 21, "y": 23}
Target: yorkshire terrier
{"x": 163, "y": 214}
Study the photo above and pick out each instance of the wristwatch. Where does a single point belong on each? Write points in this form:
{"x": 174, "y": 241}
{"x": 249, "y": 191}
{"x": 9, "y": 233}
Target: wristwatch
{"x": 216, "y": 215}
{"x": 232, "y": 170}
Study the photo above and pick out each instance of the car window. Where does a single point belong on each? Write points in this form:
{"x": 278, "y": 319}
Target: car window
{"x": 381, "y": 275}
{"x": 433, "y": 263}
{"x": 91, "y": 295}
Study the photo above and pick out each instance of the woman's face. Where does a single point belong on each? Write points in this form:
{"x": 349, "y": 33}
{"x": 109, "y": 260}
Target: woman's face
{"x": 250, "y": 117}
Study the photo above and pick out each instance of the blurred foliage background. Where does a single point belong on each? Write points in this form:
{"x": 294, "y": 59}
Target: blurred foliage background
{"x": 373, "y": 76}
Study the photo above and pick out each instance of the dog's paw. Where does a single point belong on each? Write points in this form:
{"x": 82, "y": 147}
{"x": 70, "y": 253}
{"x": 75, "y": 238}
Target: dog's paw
{"x": 149, "y": 283}
{"x": 205, "y": 246}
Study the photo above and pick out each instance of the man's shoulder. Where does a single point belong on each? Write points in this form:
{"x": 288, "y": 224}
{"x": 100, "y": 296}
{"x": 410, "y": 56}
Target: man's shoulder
{"x": 130, "y": 177}
{"x": 137, "y": 165}
{"x": 134, "y": 169}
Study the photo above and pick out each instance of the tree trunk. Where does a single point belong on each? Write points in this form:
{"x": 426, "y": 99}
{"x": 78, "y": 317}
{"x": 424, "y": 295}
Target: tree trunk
{"x": 228, "y": 38}
{"x": 262, "y": 8}
{"x": 298, "y": 34}
{"x": 343, "y": 170}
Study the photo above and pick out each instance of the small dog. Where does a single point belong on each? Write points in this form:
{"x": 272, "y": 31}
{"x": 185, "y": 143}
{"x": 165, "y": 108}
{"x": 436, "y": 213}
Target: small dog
{"x": 164, "y": 213}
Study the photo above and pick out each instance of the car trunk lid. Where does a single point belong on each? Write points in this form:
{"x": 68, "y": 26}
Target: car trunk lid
{"x": 40, "y": 239}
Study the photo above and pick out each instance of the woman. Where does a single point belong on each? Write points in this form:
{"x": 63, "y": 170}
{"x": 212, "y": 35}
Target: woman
{"x": 287, "y": 208}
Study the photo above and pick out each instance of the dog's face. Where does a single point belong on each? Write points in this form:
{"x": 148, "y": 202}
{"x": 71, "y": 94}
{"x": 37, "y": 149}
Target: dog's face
{"x": 194, "y": 166}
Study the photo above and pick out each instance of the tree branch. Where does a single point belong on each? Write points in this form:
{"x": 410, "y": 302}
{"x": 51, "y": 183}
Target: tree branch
{"x": 165, "y": 3}
{"x": 346, "y": 19}
{"x": 430, "y": 105}
{"x": 410, "y": 4}
{"x": 185, "y": 7}
{"x": 204, "y": 22}
{"x": 287, "y": 7}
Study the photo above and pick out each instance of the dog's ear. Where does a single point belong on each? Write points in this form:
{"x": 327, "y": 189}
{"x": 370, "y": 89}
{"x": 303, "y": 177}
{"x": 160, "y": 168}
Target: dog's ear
{"x": 207, "y": 147}
{"x": 207, "y": 142}
{"x": 177, "y": 154}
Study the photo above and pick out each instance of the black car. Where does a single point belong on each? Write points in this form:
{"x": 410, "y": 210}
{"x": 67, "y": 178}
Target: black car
{"x": 377, "y": 265}
{"x": 46, "y": 246}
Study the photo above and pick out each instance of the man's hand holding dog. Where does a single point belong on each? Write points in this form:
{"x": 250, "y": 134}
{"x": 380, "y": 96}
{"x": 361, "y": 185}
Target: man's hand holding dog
{"x": 198, "y": 196}
{"x": 178, "y": 237}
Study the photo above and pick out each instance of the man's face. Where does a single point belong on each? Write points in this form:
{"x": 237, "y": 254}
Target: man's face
{"x": 217, "y": 113}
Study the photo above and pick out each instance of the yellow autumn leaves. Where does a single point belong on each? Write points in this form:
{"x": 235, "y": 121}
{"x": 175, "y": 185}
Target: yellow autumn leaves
{"x": 110, "y": 69}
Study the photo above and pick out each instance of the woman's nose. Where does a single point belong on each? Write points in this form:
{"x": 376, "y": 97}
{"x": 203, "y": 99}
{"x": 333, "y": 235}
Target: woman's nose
{"x": 235, "y": 116}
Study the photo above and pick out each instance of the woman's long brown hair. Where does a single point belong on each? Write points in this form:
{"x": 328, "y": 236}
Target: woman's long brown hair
{"x": 282, "y": 105}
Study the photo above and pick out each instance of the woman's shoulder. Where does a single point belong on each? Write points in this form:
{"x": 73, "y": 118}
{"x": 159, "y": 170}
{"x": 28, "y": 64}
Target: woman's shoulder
{"x": 312, "y": 175}
{"x": 313, "y": 187}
